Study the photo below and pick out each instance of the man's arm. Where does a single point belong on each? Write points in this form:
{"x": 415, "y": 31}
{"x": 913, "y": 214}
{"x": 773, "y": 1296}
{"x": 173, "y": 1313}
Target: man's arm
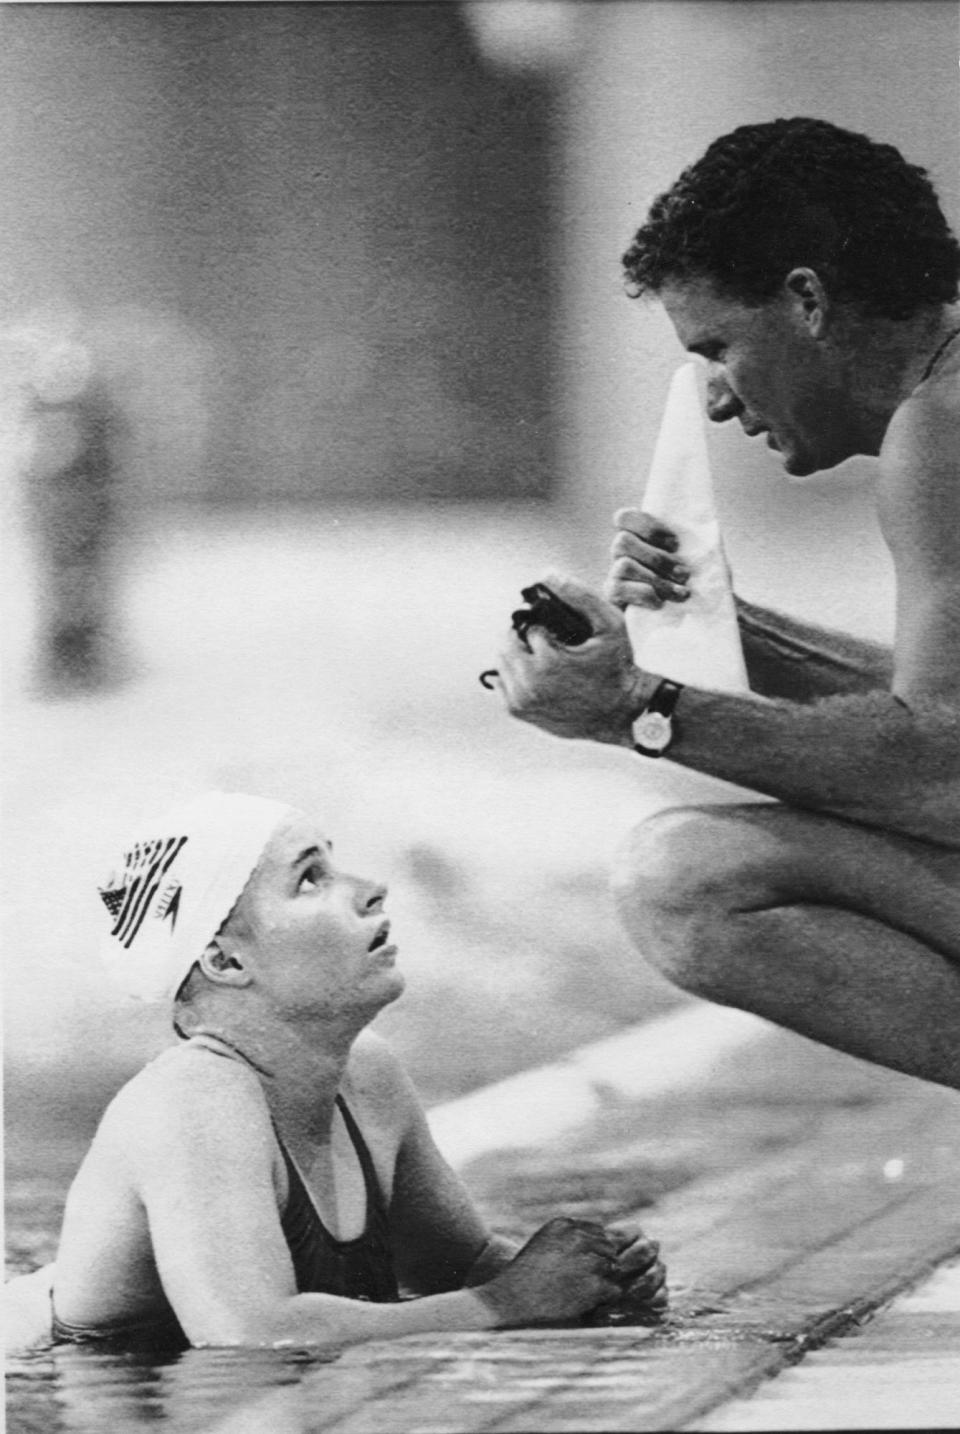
{"x": 867, "y": 759}
{"x": 888, "y": 759}
{"x": 784, "y": 657}
{"x": 802, "y": 662}
{"x": 878, "y": 759}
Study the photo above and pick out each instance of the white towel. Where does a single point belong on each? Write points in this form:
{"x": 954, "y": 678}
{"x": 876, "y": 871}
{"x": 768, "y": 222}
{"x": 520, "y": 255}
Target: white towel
{"x": 697, "y": 641}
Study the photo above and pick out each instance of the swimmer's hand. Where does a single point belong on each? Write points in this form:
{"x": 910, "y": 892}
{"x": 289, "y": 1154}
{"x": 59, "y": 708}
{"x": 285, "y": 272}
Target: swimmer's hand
{"x": 644, "y": 571}
{"x": 566, "y": 1269}
{"x": 643, "y": 1292}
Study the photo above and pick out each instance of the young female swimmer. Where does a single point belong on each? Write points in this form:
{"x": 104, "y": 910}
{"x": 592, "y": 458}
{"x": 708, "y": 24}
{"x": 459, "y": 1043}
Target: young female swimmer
{"x": 272, "y": 1179}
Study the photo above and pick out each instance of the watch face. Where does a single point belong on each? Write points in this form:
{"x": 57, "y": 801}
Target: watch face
{"x": 653, "y": 730}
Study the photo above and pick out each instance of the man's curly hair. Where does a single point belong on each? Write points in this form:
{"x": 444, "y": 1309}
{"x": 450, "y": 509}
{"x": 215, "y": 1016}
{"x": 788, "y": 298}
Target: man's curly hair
{"x": 769, "y": 197}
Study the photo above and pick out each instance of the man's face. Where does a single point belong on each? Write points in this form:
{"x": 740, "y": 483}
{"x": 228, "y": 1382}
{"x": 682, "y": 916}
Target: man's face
{"x": 767, "y": 367}
{"x": 316, "y": 938}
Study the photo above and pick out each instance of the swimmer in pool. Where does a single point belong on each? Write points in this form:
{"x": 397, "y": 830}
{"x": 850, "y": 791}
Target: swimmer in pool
{"x": 271, "y": 1179}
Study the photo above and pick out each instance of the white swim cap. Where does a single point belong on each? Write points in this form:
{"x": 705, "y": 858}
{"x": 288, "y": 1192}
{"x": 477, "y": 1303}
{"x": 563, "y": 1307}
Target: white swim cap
{"x": 177, "y": 885}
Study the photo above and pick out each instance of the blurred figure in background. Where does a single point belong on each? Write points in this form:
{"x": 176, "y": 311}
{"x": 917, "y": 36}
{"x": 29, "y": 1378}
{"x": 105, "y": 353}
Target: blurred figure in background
{"x": 814, "y": 272}
{"x": 105, "y": 417}
{"x": 71, "y": 470}
{"x": 74, "y": 481}
{"x": 272, "y": 1179}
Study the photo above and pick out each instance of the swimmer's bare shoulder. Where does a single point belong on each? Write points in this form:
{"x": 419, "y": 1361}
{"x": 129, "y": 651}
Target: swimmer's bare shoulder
{"x": 170, "y": 1142}
{"x": 375, "y": 1074}
{"x": 382, "y": 1098}
{"x": 188, "y": 1100}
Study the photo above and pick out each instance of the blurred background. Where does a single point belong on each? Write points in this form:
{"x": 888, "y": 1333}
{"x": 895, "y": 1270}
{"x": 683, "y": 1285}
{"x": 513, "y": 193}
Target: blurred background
{"x": 313, "y": 351}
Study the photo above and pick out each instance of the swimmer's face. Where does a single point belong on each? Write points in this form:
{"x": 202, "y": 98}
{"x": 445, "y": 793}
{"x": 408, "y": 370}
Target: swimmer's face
{"x": 770, "y": 367}
{"x": 314, "y": 937}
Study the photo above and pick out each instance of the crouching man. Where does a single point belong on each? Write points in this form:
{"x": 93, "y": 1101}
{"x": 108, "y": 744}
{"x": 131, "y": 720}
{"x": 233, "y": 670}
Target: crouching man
{"x": 272, "y": 1179}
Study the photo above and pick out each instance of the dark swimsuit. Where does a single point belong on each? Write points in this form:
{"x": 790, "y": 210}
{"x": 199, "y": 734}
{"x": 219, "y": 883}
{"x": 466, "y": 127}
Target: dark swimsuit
{"x": 358, "y": 1269}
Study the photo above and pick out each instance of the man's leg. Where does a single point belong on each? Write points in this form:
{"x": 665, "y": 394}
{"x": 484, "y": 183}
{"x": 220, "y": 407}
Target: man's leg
{"x": 847, "y": 935}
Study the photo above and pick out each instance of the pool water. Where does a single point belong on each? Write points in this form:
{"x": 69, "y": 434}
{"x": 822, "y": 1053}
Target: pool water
{"x": 81, "y": 1390}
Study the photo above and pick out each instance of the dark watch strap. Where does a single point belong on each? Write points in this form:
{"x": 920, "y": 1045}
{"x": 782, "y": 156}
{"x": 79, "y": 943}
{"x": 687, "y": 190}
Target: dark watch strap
{"x": 665, "y": 697}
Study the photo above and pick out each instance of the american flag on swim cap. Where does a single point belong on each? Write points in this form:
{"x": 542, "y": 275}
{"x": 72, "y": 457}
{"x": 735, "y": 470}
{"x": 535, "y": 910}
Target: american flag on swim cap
{"x": 176, "y": 884}
{"x": 145, "y": 867}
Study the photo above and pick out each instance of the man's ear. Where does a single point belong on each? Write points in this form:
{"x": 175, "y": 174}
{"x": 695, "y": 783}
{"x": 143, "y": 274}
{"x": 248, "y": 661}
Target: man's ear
{"x": 809, "y": 301}
{"x": 221, "y": 969}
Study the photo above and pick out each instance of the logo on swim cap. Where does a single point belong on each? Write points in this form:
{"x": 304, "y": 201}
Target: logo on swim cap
{"x": 145, "y": 866}
{"x": 168, "y": 904}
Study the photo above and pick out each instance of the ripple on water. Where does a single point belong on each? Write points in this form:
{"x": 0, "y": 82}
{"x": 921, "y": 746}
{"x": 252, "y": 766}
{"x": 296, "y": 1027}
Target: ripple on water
{"x": 75, "y": 1390}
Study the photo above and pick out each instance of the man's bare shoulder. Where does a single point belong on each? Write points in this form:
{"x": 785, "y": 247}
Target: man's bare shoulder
{"x": 919, "y": 483}
{"x": 927, "y": 423}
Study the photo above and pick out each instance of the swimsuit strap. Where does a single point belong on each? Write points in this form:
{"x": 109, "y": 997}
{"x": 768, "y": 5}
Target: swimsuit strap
{"x": 360, "y": 1268}
{"x": 376, "y": 1205}
{"x": 232, "y": 1053}
{"x": 371, "y": 1182}
{"x": 375, "y": 1198}
{"x": 936, "y": 358}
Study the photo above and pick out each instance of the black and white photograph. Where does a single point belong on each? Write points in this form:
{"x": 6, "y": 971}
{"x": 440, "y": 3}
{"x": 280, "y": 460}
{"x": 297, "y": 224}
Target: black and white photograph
{"x": 480, "y": 768}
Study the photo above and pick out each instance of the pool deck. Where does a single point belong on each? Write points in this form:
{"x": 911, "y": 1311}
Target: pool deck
{"x": 807, "y": 1208}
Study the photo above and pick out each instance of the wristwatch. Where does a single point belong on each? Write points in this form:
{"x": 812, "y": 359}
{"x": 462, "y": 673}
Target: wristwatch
{"x": 653, "y": 729}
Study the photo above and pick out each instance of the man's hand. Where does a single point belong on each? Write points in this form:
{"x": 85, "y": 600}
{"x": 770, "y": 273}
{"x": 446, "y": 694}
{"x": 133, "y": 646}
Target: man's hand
{"x": 593, "y": 690}
{"x": 566, "y": 1269}
{"x": 645, "y": 571}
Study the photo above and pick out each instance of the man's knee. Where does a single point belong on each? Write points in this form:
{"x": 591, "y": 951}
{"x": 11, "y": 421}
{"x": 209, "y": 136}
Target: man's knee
{"x": 677, "y": 879}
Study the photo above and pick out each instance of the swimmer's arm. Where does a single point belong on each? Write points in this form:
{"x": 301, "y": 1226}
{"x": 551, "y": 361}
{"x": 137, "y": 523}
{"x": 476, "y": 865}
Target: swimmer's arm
{"x": 800, "y": 661}
{"x": 496, "y": 1254}
{"x": 440, "y": 1242}
{"x": 201, "y": 1161}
